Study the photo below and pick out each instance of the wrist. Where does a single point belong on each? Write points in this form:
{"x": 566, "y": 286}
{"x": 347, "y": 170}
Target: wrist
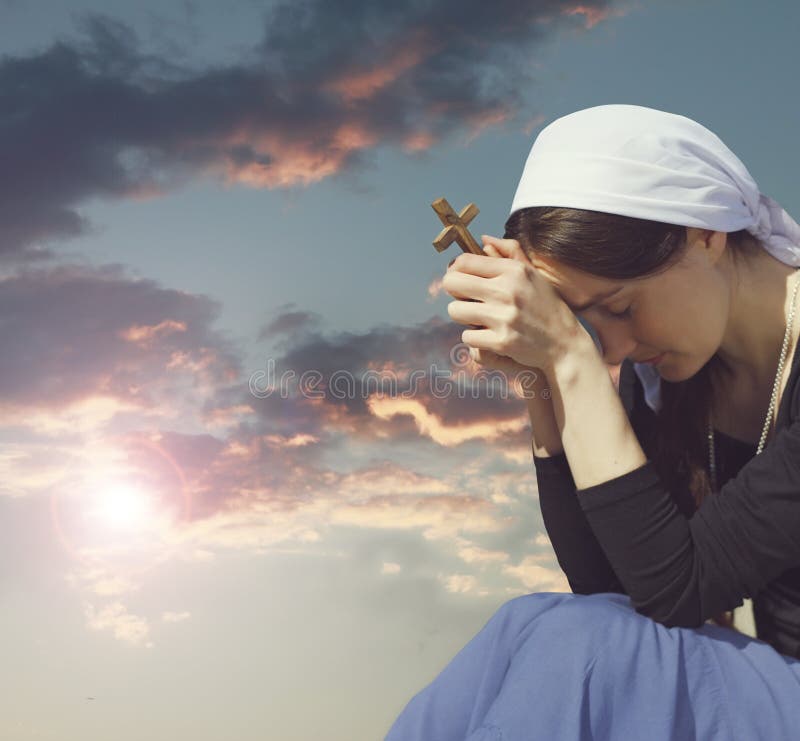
{"x": 565, "y": 366}
{"x": 533, "y": 387}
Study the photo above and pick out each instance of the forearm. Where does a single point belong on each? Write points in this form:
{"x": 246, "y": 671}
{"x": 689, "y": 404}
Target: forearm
{"x": 546, "y": 437}
{"x": 592, "y": 424}
{"x": 577, "y": 550}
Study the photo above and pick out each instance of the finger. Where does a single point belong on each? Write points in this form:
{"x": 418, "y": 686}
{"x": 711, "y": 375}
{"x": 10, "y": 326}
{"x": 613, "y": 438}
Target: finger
{"x": 484, "y": 266}
{"x": 486, "y": 358}
{"x": 468, "y": 287}
{"x": 508, "y": 248}
{"x": 492, "y": 251}
{"x": 470, "y": 313}
{"x": 502, "y": 242}
{"x": 481, "y": 338}
{"x": 493, "y": 360}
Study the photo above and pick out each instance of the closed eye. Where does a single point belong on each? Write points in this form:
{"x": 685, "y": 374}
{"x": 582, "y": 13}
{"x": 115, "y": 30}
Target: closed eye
{"x": 619, "y": 314}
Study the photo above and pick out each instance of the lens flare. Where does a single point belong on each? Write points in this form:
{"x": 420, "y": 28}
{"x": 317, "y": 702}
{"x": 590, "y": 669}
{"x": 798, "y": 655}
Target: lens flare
{"x": 123, "y": 506}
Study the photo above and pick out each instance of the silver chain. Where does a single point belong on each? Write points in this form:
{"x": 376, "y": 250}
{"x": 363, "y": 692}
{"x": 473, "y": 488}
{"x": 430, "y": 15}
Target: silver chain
{"x": 772, "y": 403}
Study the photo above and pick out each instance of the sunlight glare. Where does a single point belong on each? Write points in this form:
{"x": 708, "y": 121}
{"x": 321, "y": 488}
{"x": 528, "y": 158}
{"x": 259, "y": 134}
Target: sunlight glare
{"x": 123, "y": 506}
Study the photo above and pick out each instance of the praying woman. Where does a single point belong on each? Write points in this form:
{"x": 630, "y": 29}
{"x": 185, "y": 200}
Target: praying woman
{"x": 638, "y": 240}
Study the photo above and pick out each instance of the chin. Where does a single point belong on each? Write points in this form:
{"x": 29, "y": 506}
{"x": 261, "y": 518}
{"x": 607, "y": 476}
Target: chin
{"x": 670, "y": 373}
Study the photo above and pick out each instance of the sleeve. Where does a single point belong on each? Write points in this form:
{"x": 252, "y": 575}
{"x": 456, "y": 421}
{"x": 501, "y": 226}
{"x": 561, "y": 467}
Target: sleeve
{"x": 680, "y": 571}
{"x": 577, "y": 550}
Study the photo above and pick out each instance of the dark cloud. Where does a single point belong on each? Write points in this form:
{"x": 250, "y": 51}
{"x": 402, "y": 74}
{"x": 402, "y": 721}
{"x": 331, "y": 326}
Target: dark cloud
{"x": 329, "y": 81}
{"x": 72, "y": 332}
{"x": 282, "y": 451}
{"x": 353, "y": 367}
{"x": 288, "y": 323}
{"x": 266, "y": 461}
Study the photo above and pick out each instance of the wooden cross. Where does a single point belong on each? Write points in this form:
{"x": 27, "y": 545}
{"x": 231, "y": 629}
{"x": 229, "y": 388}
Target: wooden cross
{"x": 455, "y": 229}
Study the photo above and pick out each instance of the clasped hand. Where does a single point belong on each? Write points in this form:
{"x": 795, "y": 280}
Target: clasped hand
{"x": 520, "y": 314}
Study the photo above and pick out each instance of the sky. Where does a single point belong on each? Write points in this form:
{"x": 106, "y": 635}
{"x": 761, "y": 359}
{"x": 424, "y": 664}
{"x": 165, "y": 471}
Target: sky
{"x": 200, "y": 201}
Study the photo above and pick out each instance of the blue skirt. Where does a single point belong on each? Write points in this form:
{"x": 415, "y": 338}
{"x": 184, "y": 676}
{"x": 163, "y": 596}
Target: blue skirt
{"x": 568, "y": 667}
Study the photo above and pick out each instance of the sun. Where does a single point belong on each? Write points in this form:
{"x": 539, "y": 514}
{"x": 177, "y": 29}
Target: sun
{"x": 123, "y": 506}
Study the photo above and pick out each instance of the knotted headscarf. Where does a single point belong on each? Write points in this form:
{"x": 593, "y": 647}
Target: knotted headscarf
{"x": 649, "y": 164}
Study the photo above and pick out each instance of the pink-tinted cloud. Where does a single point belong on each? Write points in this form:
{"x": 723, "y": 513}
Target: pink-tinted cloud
{"x": 359, "y": 83}
{"x": 96, "y": 117}
{"x": 593, "y": 13}
{"x": 225, "y": 469}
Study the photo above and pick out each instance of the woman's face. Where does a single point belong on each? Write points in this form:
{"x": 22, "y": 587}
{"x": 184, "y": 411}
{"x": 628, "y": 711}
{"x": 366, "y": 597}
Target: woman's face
{"x": 682, "y": 312}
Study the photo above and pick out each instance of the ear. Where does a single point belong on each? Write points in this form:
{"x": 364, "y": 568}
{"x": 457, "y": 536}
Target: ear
{"x": 716, "y": 244}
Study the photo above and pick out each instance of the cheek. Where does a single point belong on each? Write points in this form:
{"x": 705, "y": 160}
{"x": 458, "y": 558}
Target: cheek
{"x": 656, "y": 321}
{"x": 675, "y": 328}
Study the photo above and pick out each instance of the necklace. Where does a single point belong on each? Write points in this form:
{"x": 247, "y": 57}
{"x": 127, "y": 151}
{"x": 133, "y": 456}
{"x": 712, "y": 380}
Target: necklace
{"x": 772, "y": 403}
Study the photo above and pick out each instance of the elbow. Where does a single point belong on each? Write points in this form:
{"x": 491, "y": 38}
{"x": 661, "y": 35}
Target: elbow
{"x": 674, "y": 600}
{"x": 680, "y": 621}
{"x": 671, "y": 614}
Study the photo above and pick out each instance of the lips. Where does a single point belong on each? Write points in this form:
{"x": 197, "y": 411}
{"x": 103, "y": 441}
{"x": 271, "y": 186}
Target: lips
{"x": 651, "y": 360}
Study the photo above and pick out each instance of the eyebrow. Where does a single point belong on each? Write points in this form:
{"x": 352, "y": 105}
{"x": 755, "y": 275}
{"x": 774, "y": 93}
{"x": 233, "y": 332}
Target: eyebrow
{"x": 597, "y": 299}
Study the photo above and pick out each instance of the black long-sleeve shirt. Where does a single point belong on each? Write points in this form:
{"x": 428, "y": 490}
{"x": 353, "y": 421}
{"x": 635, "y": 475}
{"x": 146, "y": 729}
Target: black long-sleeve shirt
{"x": 681, "y": 564}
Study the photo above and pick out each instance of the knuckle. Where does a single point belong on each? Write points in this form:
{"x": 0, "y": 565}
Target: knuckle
{"x": 504, "y": 338}
{"x": 512, "y": 314}
{"x": 500, "y": 290}
{"x": 508, "y": 292}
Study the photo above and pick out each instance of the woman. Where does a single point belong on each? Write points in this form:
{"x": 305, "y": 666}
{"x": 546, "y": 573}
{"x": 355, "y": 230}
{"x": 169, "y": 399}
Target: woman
{"x": 665, "y": 512}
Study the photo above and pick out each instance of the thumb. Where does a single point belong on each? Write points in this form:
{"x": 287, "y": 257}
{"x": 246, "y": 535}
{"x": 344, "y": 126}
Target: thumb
{"x": 491, "y": 359}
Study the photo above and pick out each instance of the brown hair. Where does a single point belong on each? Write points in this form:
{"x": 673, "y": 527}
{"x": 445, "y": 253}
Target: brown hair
{"x": 623, "y": 248}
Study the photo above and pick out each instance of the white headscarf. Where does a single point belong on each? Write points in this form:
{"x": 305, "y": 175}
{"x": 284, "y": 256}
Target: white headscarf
{"x": 649, "y": 164}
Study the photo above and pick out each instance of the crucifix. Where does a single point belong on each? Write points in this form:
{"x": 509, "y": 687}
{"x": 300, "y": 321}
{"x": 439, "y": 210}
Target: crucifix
{"x": 455, "y": 229}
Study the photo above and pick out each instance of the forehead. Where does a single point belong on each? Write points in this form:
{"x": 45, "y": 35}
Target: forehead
{"x": 573, "y": 285}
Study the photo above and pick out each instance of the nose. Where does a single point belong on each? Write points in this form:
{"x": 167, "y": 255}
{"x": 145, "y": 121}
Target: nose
{"x": 613, "y": 342}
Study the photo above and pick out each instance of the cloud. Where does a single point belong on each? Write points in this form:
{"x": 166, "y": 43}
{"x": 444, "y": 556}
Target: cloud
{"x": 175, "y": 617}
{"x": 97, "y": 117}
{"x": 148, "y": 388}
{"x": 534, "y": 576}
{"x": 124, "y": 626}
{"x": 100, "y": 581}
{"x": 98, "y": 402}
{"x": 102, "y": 343}
{"x": 287, "y": 322}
